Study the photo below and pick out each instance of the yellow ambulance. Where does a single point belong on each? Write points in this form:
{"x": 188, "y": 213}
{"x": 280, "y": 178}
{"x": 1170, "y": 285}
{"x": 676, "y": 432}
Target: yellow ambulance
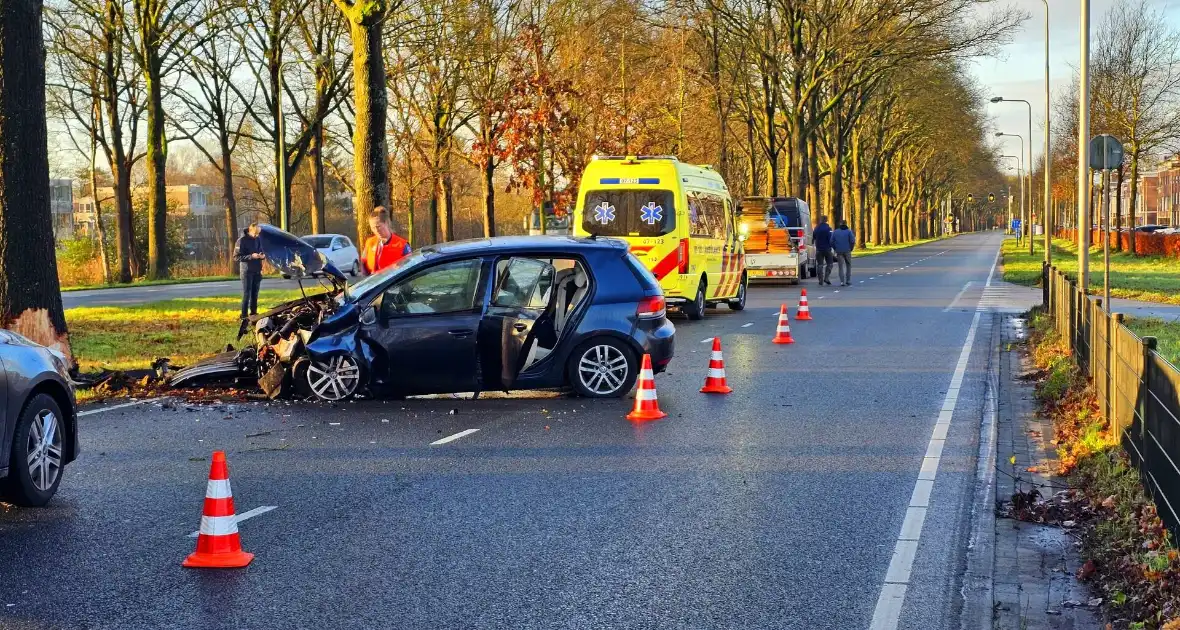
{"x": 678, "y": 220}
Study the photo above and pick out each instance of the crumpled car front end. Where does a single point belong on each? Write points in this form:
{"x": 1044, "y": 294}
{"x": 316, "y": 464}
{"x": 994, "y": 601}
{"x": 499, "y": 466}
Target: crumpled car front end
{"x": 277, "y": 356}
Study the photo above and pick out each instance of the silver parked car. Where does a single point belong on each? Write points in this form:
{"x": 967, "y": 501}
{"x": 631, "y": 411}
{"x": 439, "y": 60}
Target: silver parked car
{"x": 38, "y": 420}
{"x": 339, "y": 251}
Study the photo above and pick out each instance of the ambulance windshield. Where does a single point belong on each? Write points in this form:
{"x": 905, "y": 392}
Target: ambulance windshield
{"x": 619, "y": 212}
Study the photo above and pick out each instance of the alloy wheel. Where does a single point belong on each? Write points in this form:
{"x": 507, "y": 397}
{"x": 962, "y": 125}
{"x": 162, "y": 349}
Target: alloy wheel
{"x": 336, "y": 379}
{"x": 603, "y": 369}
{"x": 45, "y": 447}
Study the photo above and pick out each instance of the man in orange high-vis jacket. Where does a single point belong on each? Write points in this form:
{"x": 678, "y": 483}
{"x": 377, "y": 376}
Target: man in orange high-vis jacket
{"x": 385, "y": 247}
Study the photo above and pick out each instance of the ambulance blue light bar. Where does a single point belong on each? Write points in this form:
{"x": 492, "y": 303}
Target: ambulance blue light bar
{"x": 630, "y": 180}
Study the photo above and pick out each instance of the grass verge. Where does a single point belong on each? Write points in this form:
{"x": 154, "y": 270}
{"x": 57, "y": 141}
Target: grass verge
{"x": 872, "y": 250}
{"x": 1131, "y": 560}
{"x": 1149, "y": 278}
{"x": 1167, "y": 335}
{"x": 185, "y": 329}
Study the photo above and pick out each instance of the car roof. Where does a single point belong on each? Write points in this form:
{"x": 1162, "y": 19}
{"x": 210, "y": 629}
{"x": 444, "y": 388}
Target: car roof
{"x": 329, "y": 235}
{"x": 511, "y": 244}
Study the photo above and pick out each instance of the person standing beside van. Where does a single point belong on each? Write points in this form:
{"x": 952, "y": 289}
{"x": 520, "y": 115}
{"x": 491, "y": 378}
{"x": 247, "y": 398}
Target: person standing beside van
{"x": 821, "y": 239}
{"x": 843, "y": 241}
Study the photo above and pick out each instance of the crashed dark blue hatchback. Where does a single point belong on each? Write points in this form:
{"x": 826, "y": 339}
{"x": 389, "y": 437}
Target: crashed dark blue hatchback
{"x": 504, "y": 313}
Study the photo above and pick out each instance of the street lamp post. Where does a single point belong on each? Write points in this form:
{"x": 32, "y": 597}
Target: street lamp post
{"x": 1020, "y": 175}
{"x": 1001, "y": 99}
{"x": 1020, "y": 178}
{"x": 1023, "y": 217}
{"x": 1084, "y": 152}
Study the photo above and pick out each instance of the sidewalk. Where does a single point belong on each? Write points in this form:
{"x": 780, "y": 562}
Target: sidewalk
{"x": 1034, "y": 585}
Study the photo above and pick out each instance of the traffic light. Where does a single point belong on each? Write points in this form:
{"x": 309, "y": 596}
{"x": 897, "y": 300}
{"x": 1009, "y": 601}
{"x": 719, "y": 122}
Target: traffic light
{"x": 970, "y": 198}
{"x": 991, "y": 197}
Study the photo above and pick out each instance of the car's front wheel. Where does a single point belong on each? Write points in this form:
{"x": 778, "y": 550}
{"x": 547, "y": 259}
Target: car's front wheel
{"x": 38, "y": 448}
{"x": 739, "y": 303}
{"x": 603, "y": 368}
{"x": 356, "y": 268}
{"x": 336, "y": 378}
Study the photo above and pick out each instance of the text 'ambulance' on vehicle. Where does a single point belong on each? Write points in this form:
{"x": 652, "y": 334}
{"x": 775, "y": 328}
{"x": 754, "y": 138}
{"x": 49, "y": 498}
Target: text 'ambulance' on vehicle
{"x": 677, "y": 218}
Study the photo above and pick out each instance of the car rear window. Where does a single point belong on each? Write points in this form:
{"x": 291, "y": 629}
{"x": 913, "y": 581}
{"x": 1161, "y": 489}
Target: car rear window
{"x": 621, "y": 212}
{"x": 784, "y": 216}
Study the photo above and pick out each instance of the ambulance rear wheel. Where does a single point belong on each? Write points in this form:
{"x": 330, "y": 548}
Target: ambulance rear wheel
{"x": 696, "y": 308}
{"x": 739, "y": 303}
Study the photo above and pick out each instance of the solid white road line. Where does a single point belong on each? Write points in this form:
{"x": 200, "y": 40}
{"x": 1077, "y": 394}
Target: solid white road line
{"x": 707, "y": 340}
{"x": 887, "y": 614}
{"x": 452, "y": 438}
{"x": 90, "y": 412}
{"x": 747, "y": 325}
{"x": 262, "y": 509}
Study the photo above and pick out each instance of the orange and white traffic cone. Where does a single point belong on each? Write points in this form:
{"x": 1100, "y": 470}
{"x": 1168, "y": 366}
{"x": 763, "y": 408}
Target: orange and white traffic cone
{"x": 715, "y": 381}
{"x": 783, "y": 334}
{"x": 647, "y": 406}
{"x": 804, "y": 313}
{"x": 218, "y": 544}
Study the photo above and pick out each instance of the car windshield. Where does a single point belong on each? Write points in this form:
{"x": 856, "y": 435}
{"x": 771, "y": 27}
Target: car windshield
{"x": 379, "y": 278}
{"x": 647, "y": 212}
{"x": 319, "y": 242}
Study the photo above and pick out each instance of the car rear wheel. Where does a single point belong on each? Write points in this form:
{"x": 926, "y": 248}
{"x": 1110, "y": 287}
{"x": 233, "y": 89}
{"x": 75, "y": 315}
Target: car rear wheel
{"x": 739, "y": 303}
{"x": 356, "y": 268}
{"x": 696, "y": 308}
{"x": 603, "y": 368}
{"x": 38, "y": 448}
{"x": 337, "y": 378}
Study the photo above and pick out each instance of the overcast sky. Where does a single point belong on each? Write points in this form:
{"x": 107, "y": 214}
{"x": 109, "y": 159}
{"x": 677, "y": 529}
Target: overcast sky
{"x": 1019, "y": 70}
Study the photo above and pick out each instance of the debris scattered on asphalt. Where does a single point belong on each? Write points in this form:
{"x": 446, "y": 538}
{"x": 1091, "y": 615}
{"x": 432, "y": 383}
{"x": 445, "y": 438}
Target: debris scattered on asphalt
{"x": 260, "y": 434}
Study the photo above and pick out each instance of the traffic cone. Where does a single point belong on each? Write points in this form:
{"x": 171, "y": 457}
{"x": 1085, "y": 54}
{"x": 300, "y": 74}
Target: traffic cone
{"x": 715, "y": 381}
{"x": 783, "y": 335}
{"x": 647, "y": 406}
{"x": 218, "y": 544}
{"x": 804, "y": 313}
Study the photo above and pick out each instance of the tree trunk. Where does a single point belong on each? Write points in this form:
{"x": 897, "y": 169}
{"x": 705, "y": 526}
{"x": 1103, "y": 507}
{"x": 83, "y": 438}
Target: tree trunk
{"x": 157, "y": 153}
{"x": 316, "y": 153}
{"x": 98, "y": 226}
{"x": 752, "y": 166}
{"x": 1134, "y": 195}
{"x": 368, "y": 71}
{"x": 1118, "y": 213}
{"x": 30, "y": 296}
{"x": 489, "y": 198}
{"x": 124, "y": 227}
{"x": 231, "y": 202}
{"x": 837, "y": 179}
{"x": 813, "y": 192}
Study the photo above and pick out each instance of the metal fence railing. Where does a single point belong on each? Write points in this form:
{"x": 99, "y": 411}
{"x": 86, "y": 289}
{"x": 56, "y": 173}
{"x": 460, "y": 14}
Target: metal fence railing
{"x": 1137, "y": 388}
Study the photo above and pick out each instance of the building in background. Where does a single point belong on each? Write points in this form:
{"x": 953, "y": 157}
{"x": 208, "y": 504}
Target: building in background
{"x": 1147, "y": 200}
{"x": 61, "y": 206}
{"x": 1168, "y": 198}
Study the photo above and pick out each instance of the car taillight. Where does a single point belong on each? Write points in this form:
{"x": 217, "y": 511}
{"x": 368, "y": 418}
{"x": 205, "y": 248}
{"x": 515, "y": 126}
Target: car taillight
{"x": 652, "y": 307}
{"x": 797, "y": 233}
{"x": 682, "y": 255}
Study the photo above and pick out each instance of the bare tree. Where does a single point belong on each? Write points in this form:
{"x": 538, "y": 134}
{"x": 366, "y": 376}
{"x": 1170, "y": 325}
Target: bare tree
{"x": 1137, "y": 83}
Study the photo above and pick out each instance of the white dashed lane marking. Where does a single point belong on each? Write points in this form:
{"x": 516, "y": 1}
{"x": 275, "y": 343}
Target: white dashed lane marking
{"x": 452, "y": 438}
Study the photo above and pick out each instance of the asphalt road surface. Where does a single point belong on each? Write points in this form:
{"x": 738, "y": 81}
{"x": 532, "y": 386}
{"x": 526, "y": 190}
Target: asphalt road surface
{"x": 779, "y": 506}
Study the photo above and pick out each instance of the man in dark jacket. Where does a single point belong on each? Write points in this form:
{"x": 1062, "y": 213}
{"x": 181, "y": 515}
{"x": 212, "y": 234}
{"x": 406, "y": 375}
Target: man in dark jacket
{"x": 248, "y": 253}
{"x": 843, "y": 242}
{"x": 821, "y": 238}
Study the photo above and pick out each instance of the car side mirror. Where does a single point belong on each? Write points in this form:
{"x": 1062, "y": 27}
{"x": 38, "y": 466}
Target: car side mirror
{"x": 369, "y": 315}
{"x": 337, "y": 246}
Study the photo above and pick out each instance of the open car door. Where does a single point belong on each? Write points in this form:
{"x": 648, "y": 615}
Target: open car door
{"x": 515, "y": 316}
